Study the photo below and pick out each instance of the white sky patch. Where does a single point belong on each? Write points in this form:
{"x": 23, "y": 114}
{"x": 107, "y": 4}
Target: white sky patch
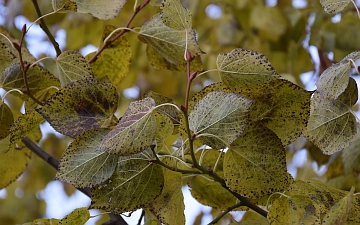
{"x": 214, "y": 11}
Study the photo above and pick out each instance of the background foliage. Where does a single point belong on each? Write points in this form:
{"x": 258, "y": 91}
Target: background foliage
{"x": 251, "y": 106}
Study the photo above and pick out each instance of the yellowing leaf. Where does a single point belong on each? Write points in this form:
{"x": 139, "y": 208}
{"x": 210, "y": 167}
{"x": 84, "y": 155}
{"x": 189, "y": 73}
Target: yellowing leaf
{"x": 281, "y": 106}
{"x": 6, "y": 119}
{"x": 354, "y": 214}
{"x": 82, "y": 105}
{"x": 78, "y": 216}
{"x": 12, "y": 163}
{"x": 334, "y": 80}
{"x": 38, "y": 79}
{"x": 82, "y": 165}
{"x": 168, "y": 42}
{"x": 114, "y": 60}
{"x": 255, "y": 164}
{"x": 323, "y": 196}
{"x": 221, "y": 114}
{"x": 23, "y": 126}
{"x": 334, "y": 6}
{"x": 6, "y": 55}
{"x": 135, "y": 131}
{"x": 134, "y": 184}
{"x": 72, "y": 66}
{"x": 332, "y": 126}
{"x": 169, "y": 205}
{"x": 245, "y": 69}
{"x": 102, "y": 9}
{"x": 338, "y": 213}
{"x": 51, "y": 221}
{"x": 175, "y": 16}
{"x": 297, "y": 209}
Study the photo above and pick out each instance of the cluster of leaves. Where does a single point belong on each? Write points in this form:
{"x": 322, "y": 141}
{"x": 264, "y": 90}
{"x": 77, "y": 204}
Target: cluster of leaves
{"x": 231, "y": 136}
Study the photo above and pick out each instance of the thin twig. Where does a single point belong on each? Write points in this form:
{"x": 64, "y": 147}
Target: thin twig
{"x": 223, "y": 213}
{"x": 24, "y": 67}
{"x": 141, "y": 217}
{"x": 46, "y": 29}
{"x": 109, "y": 41}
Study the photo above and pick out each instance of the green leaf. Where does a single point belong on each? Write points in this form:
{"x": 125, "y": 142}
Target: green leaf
{"x": 82, "y": 105}
{"x": 168, "y": 42}
{"x": 175, "y": 16}
{"x": 72, "y": 66}
{"x": 38, "y": 79}
{"x": 334, "y": 80}
{"x": 114, "y": 60}
{"x": 12, "y": 163}
{"x": 135, "y": 131}
{"x": 169, "y": 205}
{"x": 6, "y": 119}
{"x": 23, "y": 126}
{"x": 82, "y": 165}
{"x": 255, "y": 164}
{"x": 221, "y": 114}
{"x": 51, "y": 221}
{"x": 323, "y": 196}
{"x": 334, "y": 6}
{"x": 297, "y": 209}
{"x": 245, "y": 69}
{"x": 332, "y": 126}
{"x": 78, "y": 216}
{"x": 338, "y": 213}
{"x": 159, "y": 62}
{"x": 102, "y": 9}
{"x": 281, "y": 106}
{"x": 134, "y": 184}
{"x": 6, "y": 55}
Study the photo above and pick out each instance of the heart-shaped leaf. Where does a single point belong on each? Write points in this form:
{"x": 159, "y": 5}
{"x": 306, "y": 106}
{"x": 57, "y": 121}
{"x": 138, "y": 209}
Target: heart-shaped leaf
{"x": 134, "y": 184}
{"x": 82, "y": 165}
{"x": 82, "y": 105}
{"x": 245, "y": 69}
{"x": 135, "y": 131}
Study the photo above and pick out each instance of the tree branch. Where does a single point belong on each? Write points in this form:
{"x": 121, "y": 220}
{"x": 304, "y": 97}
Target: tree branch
{"x": 222, "y": 214}
{"x": 111, "y": 40}
{"x": 46, "y": 29}
{"x": 114, "y": 218}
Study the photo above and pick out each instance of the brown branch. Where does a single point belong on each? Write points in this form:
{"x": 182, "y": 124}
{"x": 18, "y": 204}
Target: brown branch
{"x": 46, "y": 29}
{"x": 111, "y": 40}
{"x": 114, "y": 218}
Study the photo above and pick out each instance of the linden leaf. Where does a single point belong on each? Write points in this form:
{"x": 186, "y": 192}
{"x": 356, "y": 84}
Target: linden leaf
{"x": 159, "y": 62}
{"x": 77, "y": 216}
{"x": 355, "y": 210}
{"x": 51, "y": 221}
{"x": 221, "y": 114}
{"x": 338, "y": 213}
{"x": 6, "y": 55}
{"x": 334, "y": 80}
{"x": 114, "y": 60}
{"x": 281, "y": 106}
{"x": 169, "y": 205}
{"x": 134, "y": 184}
{"x": 64, "y": 5}
{"x": 24, "y": 125}
{"x": 245, "y": 69}
{"x": 82, "y": 165}
{"x": 135, "y": 131}
{"x": 82, "y": 105}
{"x": 334, "y": 6}
{"x": 38, "y": 79}
{"x": 175, "y": 16}
{"x": 6, "y": 119}
{"x": 332, "y": 126}
{"x": 297, "y": 209}
{"x": 168, "y": 42}
{"x": 12, "y": 163}
{"x": 323, "y": 196}
{"x": 102, "y": 9}
{"x": 72, "y": 66}
{"x": 255, "y": 164}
